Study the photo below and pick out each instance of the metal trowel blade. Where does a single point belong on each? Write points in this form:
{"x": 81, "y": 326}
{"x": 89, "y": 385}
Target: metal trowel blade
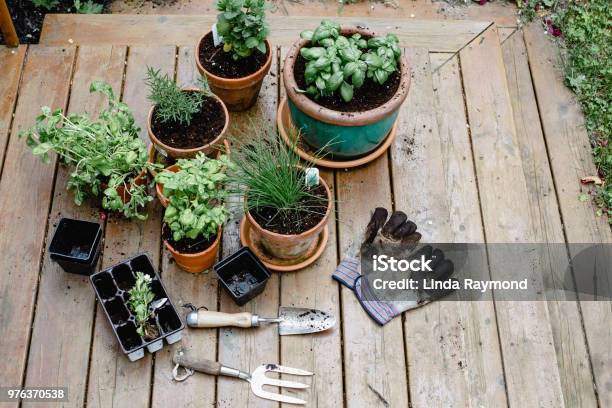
{"x": 297, "y": 320}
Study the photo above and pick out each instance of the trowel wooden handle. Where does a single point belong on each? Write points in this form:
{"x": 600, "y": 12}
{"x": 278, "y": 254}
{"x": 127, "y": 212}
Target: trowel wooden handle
{"x": 207, "y": 318}
{"x": 201, "y": 365}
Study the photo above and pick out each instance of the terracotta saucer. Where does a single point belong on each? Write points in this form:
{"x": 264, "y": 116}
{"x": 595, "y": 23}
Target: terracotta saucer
{"x": 248, "y": 239}
{"x": 283, "y": 121}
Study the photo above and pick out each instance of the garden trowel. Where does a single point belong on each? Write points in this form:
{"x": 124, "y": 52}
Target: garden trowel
{"x": 291, "y": 320}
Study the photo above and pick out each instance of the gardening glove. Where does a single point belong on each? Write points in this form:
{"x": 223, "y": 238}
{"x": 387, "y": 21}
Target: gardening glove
{"x": 398, "y": 231}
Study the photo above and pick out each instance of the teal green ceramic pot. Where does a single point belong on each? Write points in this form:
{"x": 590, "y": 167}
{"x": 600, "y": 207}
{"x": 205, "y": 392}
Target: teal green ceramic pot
{"x": 343, "y": 135}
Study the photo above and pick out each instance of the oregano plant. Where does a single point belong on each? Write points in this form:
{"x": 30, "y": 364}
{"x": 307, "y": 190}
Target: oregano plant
{"x": 105, "y": 153}
{"x": 242, "y": 24}
{"x": 337, "y": 63}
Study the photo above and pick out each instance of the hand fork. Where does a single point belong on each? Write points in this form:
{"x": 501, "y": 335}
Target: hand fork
{"x": 257, "y": 379}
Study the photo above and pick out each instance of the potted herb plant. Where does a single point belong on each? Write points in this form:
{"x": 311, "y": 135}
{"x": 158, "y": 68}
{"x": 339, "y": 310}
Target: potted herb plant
{"x": 345, "y": 87}
{"x": 140, "y": 298}
{"x": 286, "y": 209}
{"x": 195, "y": 210}
{"x": 107, "y": 156}
{"x": 183, "y": 122}
{"x": 235, "y": 56}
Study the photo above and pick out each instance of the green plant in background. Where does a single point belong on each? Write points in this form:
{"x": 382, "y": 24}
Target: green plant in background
{"x": 270, "y": 173}
{"x": 172, "y": 104}
{"x": 104, "y": 152}
{"x": 141, "y": 297}
{"x": 46, "y": 4}
{"x": 242, "y": 24}
{"x": 87, "y": 7}
{"x": 196, "y": 196}
{"x": 339, "y": 63}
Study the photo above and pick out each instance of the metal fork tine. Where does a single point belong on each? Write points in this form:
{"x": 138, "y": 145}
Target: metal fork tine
{"x": 287, "y": 370}
{"x": 283, "y": 383}
{"x": 278, "y": 397}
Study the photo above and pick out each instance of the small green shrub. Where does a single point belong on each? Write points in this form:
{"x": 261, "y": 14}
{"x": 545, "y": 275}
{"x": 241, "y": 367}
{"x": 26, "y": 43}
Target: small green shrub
{"x": 141, "y": 297}
{"x": 46, "y": 4}
{"x": 172, "y": 103}
{"x": 106, "y": 150}
{"x": 339, "y": 63}
{"x": 196, "y": 197}
{"x": 242, "y": 24}
{"x": 87, "y": 7}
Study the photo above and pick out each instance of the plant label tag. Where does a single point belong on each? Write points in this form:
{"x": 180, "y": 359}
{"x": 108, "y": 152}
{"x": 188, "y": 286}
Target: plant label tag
{"x": 217, "y": 39}
{"x": 311, "y": 175}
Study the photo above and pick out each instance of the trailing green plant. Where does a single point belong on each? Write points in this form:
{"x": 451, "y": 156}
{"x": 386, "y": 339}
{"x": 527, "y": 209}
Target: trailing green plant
{"x": 196, "y": 196}
{"x": 172, "y": 104}
{"x": 87, "y": 7}
{"x": 105, "y": 152}
{"x": 270, "y": 174}
{"x": 140, "y": 299}
{"x": 242, "y": 24}
{"x": 46, "y": 4}
{"x": 336, "y": 63}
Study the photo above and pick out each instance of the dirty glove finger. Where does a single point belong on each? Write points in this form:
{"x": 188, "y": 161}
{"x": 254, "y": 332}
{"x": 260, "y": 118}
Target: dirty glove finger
{"x": 442, "y": 272}
{"x": 413, "y": 238}
{"x": 376, "y": 222}
{"x": 404, "y": 230}
{"x": 437, "y": 256}
{"x": 398, "y": 218}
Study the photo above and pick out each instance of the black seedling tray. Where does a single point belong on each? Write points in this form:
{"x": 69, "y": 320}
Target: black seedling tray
{"x": 76, "y": 245}
{"x": 112, "y": 285}
{"x": 242, "y": 275}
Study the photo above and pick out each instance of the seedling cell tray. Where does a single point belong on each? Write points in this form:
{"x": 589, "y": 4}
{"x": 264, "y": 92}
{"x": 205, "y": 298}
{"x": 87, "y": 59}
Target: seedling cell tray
{"x": 76, "y": 245}
{"x": 242, "y": 275}
{"x": 112, "y": 286}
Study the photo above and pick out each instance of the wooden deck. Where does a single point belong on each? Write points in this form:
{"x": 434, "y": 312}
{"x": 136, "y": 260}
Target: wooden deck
{"x": 491, "y": 148}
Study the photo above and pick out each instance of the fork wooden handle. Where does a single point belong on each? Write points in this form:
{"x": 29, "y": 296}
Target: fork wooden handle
{"x": 201, "y": 365}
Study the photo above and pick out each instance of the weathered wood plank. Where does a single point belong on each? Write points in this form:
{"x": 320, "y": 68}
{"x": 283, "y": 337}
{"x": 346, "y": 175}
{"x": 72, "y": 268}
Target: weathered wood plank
{"x": 61, "y": 337}
{"x": 570, "y": 158}
{"x": 374, "y": 361}
{"x": 443, "y": 36}
{"x": 530, "y": 362}
{"x": 452, "y": 346}
{"x": 11, "y": 63}
{"x": 245, "y": 349}
{"x": 183, "y": 287}
{"x": 314, "y": 288}
{"x": 114, "y": 381}
{"x": 565, "y": 316}
{"x": 24, "y": 198}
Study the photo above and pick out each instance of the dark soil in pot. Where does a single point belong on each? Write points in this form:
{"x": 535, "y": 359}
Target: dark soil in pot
{"x": 371, "y": 94}
{"x": 187, "y": 245}
{"x": 298, "y": 221}
{"x": 220, "y": 63}
{"x": 205, "y": 126}
{"x": 28, "y": 19}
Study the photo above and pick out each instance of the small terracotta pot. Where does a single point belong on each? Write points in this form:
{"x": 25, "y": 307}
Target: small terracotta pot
{"x": 345, "y": 135}
{"x": 159, "y": 188}
{"x": 200, "y": 261}
{"x": 293, "y": 246}
{"x": 239, "y": 94}
{"x": 177, "y": 153}
{"x": 125, "y": 195}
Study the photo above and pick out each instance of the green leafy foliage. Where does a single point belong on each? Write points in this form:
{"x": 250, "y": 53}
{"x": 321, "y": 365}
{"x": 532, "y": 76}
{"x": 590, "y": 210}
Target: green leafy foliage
{"x": 87, "y": 7}
{"x": 46, "y": 4}
{"x": 196, "y": 196}
{"x": 269, "y": 172}
{"x": 141, "y": 297}
{"x": 242, "y": 25}
{"x": 172, "y": 104}
{"x": 104, "y": 152}
{"x": 336, "y": 63}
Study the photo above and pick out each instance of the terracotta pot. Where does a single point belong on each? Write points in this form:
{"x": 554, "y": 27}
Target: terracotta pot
{"x": 125, "y": 195}
{"x": 344, "y": 135}
{"x": 239, "y": 94}
{"x": 177, "y": 153}
{"x": 159, "y": 188}
{"x": 200, "y": 261}
{"x": 293, "y": 246}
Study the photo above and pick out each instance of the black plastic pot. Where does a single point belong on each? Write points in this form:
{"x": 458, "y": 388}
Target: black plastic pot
{"x": 112, "y": 286}
{"x": 76, "y": 245}
{"x": 242, "y": 275}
